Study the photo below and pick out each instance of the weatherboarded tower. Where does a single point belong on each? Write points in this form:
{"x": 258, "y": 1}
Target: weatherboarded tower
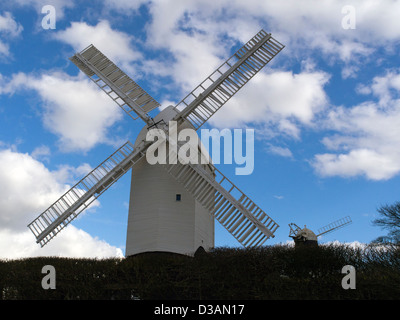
{"x": 163, "y": 215}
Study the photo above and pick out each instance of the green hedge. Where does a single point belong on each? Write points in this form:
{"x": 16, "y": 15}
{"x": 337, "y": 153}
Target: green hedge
{"x": 273, "y": 272}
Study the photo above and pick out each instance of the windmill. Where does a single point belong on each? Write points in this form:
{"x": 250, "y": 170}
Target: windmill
{"x": 173, "y": 205}
{"x": 307, "y": 237}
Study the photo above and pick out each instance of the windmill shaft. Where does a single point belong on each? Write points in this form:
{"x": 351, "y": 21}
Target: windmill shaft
{"x": 78, "y": 198}
{"x": 207, "y": 98}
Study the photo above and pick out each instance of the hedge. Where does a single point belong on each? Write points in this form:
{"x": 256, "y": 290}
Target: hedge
{"x": 272, "y": 272}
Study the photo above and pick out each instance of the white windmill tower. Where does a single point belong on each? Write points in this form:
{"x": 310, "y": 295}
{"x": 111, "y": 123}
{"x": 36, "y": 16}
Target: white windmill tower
{"x": 306, "y": 236}
{"x": 172, "y": 205}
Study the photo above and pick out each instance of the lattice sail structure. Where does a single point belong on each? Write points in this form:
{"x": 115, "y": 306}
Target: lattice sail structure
{"x": 47, "y": 225}
{"x": 234, "y": 210}
{"x": 210, "y": 95}
{"x": 211, "y": 193}
{"x": 293, "y": 229}
{"x": 334, "y": 226}
{"x": 115, "y": 83}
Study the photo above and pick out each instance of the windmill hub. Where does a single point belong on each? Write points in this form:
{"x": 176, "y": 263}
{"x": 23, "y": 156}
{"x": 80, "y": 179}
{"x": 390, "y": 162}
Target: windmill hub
{"x": 161, "y": 121}
{"x": 165, "y": 136}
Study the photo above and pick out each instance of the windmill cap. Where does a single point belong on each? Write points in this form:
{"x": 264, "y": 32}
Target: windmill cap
{"x": 307, "y": 234}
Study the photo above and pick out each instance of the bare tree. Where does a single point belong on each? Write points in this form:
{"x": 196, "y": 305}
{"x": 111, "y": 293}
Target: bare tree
{"x": 390, "y": 220}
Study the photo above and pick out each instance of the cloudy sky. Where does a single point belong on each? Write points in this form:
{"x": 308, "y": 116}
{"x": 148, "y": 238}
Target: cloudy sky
{"x": 326, "y": 110}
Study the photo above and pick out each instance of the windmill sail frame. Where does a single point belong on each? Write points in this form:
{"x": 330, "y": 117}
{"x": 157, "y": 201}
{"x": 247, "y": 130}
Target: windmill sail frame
{"x": 233, "y": 209}
{"x": 211, "y": 94}
{"x": 48, "y": 224}
{"x": 115, "y": 83}
{"x": 334, "y": 225}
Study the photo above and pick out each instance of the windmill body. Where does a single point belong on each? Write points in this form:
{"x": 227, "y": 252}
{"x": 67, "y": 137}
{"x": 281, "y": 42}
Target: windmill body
{"x": 173, "y": 205}
{"x": 176, "y": 222}
{"x": 305, "y": 236}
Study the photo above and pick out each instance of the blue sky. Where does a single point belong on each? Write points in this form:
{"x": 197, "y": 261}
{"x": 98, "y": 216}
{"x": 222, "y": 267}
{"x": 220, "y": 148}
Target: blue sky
{"x": 326, "y": 110}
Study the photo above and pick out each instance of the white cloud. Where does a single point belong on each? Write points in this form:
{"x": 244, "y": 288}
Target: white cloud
{"x": 368, "y": 135}
{"x": 366, "y": 162}
{"x": 27, "y": 188}
{"x": 9, "y": 26}
{"x": 194, "y": 57}
{"x": 197, "y": 33}
{"x": 41, "y": 152}
{"x": 71, "y": 242}
{"x": 280, "y": 151}
{"x": 69, "y": 174}
{"x": 387, "y": 87}
{"x": 320, "y": 24}
{"x": 194, "y": 34}
{"x": 73, "y": 108}
{"x": 9, "y": 29}
{"x": 280, "y": 98}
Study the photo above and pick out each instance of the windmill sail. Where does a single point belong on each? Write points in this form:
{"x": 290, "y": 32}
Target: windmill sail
{"x": 294, "y": 229}
{"x": 47, "y": 225}
{"x": 334, "y": 225}
{"x": 115, "y": 83}
{"x": 249, "y": 224}
{"x": 210, "y": 95}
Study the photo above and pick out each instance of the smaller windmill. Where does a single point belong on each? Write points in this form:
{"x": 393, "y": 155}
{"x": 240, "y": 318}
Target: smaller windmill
{"x": 306, "y": 236}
